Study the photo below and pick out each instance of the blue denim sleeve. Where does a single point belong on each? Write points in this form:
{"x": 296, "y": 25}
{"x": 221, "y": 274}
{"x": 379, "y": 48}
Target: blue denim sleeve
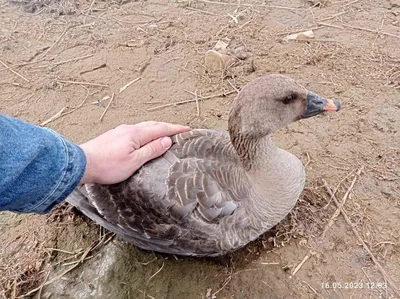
{"x": 38, "y": 167}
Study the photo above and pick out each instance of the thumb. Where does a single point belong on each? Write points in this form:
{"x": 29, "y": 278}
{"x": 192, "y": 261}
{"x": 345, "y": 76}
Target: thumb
{"x": 152, "y": 150}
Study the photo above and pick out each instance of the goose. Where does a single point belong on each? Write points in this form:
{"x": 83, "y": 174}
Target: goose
{"x": 213, "y": 192}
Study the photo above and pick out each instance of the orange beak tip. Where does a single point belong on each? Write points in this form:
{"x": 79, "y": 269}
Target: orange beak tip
{"x": 332, "y": 105}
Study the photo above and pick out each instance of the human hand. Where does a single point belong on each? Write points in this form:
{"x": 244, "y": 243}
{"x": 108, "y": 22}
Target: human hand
{"x": 115, "y": 155}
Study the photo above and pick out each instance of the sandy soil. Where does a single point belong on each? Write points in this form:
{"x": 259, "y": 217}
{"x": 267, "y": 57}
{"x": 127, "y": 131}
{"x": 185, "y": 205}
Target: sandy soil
{"x": 74, "y": 62}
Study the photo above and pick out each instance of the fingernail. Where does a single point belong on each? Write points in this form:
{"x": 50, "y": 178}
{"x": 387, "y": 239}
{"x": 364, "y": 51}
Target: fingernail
{"x": 166, "y": 142}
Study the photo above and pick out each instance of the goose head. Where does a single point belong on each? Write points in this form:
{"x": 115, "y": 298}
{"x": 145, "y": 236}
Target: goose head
{"x": 267, "y": 104}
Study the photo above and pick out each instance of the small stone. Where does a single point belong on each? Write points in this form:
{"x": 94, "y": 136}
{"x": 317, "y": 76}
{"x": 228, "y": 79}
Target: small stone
{"x": 240, "y": 53}
{"x": 251, "y": 68}
{"x": 303, "y": 242}
{"x": 217, "y": 61}
{"x": 220, "y": 47}
{"x": 300, "y": 35}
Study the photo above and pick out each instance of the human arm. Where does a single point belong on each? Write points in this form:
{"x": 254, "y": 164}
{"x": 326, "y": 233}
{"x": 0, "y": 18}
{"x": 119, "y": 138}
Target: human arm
{"x": 39, "y": 168}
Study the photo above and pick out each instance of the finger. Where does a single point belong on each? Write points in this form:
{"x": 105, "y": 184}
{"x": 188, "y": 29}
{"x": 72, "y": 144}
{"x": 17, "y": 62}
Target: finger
{"x": 125, "y": 127}
{"x": 146, "y": 134}
{"x": 149, "y": 123}
{"x": 151, "y": 150}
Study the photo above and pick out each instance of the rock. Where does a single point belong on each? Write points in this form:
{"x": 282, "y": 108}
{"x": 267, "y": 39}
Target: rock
{"x": 240, "y": 52}
{"x": 251, "y": 68}
{"x": 386, "y": 192}
{"x": 220, "y": 47}
{"x": 300, "y": 35}
{"x": 216, "y": 61}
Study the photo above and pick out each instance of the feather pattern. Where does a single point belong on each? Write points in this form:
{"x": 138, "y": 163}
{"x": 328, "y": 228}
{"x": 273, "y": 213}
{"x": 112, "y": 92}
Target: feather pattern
{"x": 213, "y": 191}
{"x": 172, "y": 203}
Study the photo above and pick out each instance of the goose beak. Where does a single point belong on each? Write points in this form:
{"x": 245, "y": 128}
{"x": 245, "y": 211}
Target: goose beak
{"x": 317, "y": 105}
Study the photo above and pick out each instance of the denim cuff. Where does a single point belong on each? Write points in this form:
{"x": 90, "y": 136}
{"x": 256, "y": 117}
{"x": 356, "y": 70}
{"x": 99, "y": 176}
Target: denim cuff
{"x": 39, "y": 168}
{"x": 72, "y": 170}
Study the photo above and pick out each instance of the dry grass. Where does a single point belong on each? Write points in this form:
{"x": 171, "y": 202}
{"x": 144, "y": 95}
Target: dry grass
{"x": 57, "y": 7}
{"x": 307, "y": 220}
{"x": 17, "y": 280}
{"x": 21, "y": 272}
{"x": 31, "y": 257}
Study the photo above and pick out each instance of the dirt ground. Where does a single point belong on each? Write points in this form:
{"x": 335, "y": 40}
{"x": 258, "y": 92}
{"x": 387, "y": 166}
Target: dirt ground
{"x": 70, "y": 65}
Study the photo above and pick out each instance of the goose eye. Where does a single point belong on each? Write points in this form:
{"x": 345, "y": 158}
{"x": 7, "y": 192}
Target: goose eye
{"x": 289, "y": 99}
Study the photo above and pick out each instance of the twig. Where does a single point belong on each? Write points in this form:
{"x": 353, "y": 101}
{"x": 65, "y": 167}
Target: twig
{"x": 66, "y": 259}
{"x": 377, "y": 35}
{"x": 233, "y": 86}
{"x": 189, "y": 92}
{"x": 139, "y": 22}
{"x": 30, "y": 62}
{"x": 128, "y": 84}
{"x": 308, "y": 159}
{"x": 88, "y": 12}
{"x": 312, "y": 289}
{"x": 41, "y": 286}
{"x": 11, "y": 70}
{"x": 333, "y": 16}
{"x": 79, "y": 261}
{"x": 308, "y": 255}
{"x": 100, "y": 102}
{"x": 152, "y": 102}
{"x": 151, "y": 277}
{"x": 63, "y": 251}
{"x": 82, "y": 83}
{"x": 170, "y": 104}
{"x": 108, "y": 106}
{"x": 286, "y": 32}
{"x": 337, "y": 212}
{"x": 202, "y": 11}
{"x": 370, "y": 291}
{"x": 384, "y": 242}
{"x": 228, "y": 280}
{"x": 372, "y": 30}
{"x": 57, "y": 40}
{"x": 182, "y": 68}
{"x": 337, "y": 187}
{"x": 197, "y": 103}
{"x": 61, "y": 113}
{"x": 241, "y": 26}
{"x": 65, "y": 61}
{"x": 190, "y": 101}
{"x": 144, "y": 293}
{"x": 317, "y": 40}
{"x": 224, "y": 94}
{"x": 149, "y": 262}
{"x": 159, "y": 270}
{"x": 49, "y": 282}
{"x": 233, "y": 18}
{"x": 172, "y": 59}
{"x": 253, "y": 5}
{"x": 358, "y": 237}
{"x": 93, "y": 69}
{"x": 350, "y": 3}
{"x": 54, "y": 117}
{"x": 330, "y": 25}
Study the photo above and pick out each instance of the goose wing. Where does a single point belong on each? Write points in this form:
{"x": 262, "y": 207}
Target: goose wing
{"x": 178, "y": 202}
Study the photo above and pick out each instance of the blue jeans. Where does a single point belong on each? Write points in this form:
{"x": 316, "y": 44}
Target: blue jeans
{"x": 38, "y": 167}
